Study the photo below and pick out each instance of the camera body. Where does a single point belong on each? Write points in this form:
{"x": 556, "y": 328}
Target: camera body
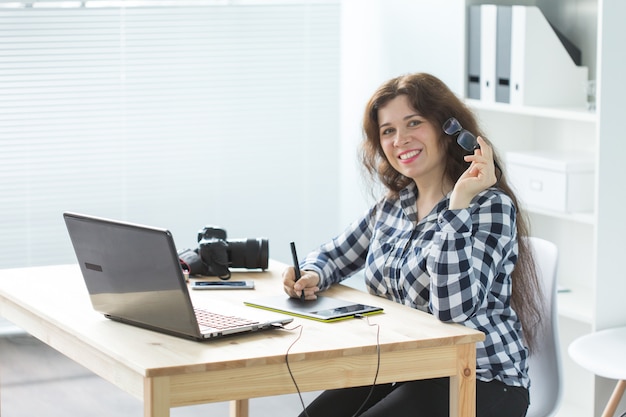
{"x": 215, "y": 254}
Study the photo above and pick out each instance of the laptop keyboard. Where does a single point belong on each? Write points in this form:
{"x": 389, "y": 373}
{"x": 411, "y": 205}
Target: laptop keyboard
{"x": 219, "y": 321}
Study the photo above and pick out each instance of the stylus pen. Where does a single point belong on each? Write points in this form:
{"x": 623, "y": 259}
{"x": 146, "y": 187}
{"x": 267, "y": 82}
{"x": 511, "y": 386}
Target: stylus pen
{"x": 296, "y": 265}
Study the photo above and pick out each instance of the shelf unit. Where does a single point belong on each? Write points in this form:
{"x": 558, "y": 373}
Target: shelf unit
{"x": 523, "y": 128}
{"x": 590, "y": 244}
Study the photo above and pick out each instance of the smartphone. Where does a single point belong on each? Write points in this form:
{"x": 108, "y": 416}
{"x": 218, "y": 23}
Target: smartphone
{"x": 222, "y": 285}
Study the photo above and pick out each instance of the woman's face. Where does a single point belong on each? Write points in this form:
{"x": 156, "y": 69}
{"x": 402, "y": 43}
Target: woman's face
{"x": 410, "y": 142}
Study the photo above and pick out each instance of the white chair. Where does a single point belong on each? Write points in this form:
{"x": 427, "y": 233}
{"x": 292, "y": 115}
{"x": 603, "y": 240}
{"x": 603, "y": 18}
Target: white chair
{"x": 602, "y": 353}
{"x": 545, "y": 361}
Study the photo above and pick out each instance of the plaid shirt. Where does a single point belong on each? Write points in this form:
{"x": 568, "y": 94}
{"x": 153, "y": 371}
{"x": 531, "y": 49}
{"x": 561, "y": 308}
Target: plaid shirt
{"x": 454, "y": 264}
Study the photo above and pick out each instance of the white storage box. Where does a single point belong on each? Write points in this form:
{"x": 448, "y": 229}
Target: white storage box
{"x": 560, "y": 181}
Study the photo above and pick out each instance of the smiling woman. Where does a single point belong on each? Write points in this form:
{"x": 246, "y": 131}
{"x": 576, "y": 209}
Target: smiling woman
{"x": 447, "y": 238}
{"x": 176, "y": 114}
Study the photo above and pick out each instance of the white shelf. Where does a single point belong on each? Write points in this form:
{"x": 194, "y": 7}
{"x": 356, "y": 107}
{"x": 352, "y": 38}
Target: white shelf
{"x": 562, "y": 113}
{"x": 589, "y": 242}
{"x": 576, "y": 304}
{"x": 585, "y": 218}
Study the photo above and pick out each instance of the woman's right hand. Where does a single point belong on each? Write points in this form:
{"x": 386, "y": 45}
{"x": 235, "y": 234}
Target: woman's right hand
{"x": 308, "y": 283}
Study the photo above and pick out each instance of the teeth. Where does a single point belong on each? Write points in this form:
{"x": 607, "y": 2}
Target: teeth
{"x": 409, "y": 155}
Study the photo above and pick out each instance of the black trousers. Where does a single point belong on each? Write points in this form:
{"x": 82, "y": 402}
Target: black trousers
{"x": 425, "y": 398}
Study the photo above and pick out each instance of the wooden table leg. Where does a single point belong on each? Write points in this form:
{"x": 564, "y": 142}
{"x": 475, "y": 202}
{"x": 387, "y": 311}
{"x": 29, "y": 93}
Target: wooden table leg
{"x": 239, "y": 408}
{"x": 463, "y": 384}
{"x": 156, "y": 397}
{"x": 611, "y": 406}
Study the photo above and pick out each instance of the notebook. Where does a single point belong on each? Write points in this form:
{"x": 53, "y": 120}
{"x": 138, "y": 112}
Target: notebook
{"x": 324, "y": 308}
{"x": 133, "y": 275}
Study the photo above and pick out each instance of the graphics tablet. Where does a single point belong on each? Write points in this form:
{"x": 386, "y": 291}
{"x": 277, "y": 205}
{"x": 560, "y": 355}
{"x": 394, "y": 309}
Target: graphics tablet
{"x": 323, "y": 309}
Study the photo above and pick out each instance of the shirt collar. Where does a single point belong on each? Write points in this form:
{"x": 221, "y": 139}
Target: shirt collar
{"x": 408, "y": 202}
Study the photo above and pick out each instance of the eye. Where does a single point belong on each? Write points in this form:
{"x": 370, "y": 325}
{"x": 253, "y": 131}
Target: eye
{"x": 387, "y": 131}
{"x": 414, "y": 122}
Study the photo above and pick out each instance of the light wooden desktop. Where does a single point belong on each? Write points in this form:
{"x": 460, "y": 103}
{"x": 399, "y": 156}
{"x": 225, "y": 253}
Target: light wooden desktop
{"x": 163, "y": 371}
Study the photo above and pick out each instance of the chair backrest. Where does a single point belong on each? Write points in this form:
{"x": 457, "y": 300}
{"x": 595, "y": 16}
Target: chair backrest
{"x": 545, "y": 361}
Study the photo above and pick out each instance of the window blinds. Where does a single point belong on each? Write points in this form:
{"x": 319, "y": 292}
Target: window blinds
{"x": 172, "y": 114}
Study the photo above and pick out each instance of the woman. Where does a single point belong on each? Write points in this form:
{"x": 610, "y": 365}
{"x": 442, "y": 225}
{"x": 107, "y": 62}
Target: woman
{"x": 446, "y": 239}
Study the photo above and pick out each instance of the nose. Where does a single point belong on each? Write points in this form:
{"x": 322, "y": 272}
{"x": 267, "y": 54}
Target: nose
{"x": 401, "y": 138}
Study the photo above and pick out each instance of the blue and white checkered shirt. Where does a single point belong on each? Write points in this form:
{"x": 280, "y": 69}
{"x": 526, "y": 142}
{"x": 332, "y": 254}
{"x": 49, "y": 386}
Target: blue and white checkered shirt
{"x": 454, "y": 264}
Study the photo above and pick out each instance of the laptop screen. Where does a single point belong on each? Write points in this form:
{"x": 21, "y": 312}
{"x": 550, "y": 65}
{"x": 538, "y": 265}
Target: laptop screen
{"x": 132, "y": 272}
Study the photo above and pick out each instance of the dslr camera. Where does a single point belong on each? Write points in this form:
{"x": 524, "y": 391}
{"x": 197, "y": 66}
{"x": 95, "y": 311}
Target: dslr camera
{"x": 215, "y": 255}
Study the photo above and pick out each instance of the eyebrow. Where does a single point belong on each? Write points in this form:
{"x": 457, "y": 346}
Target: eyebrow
{"x": 407, "y": 117}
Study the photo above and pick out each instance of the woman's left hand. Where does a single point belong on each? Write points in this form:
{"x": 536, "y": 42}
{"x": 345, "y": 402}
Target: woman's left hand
{"x": 480, "y": 175}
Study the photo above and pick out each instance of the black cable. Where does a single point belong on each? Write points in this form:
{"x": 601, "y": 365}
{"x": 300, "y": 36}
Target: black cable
{"x": 289, "y": 368}
{"x": 377, "y": 365}
{"x": 293, "y": 379}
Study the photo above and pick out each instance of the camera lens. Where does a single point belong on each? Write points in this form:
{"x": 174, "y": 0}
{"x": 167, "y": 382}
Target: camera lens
{"x": 248, "y": 253}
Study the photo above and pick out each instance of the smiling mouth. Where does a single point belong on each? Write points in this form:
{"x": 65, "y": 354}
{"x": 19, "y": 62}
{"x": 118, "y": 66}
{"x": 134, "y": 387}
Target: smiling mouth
{"x": 409, "y": 155}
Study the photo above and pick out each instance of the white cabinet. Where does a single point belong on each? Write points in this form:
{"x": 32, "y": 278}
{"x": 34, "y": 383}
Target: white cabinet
{"x": 560, "y": 181}
{"x": 591, "y": 244}
{"x": 517, "y": 129}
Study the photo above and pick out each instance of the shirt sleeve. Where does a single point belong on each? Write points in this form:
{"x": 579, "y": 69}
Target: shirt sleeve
{"x": 472, "y": 248}
{"x": 343, "y": 255}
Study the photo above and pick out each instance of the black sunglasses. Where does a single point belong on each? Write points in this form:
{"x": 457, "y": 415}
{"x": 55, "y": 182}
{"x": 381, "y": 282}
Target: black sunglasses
{"x": 465, "y": 138}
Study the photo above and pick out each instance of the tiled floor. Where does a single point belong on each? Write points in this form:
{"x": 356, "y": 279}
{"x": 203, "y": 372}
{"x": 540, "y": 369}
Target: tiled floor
{"x": 35, "y": 380}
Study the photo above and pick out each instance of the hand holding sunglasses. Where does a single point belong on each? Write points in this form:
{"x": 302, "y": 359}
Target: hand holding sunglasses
{"x": 465, "y": 138}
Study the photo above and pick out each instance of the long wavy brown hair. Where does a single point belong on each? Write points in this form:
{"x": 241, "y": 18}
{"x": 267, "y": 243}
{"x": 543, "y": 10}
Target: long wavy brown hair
{"x": 434, "y": 101}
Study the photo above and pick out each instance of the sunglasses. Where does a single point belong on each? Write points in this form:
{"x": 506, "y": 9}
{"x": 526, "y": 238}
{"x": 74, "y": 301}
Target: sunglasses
{"x": 465, "y": 138}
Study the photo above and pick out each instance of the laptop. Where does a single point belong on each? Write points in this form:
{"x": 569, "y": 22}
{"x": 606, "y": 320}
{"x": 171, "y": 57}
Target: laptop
{"x": 324, "y": 308}
{"x": 133, "y": 275}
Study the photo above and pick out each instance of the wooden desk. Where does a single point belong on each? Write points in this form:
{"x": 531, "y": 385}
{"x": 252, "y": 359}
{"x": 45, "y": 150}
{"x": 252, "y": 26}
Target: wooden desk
{"x": 52, "y": 304}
